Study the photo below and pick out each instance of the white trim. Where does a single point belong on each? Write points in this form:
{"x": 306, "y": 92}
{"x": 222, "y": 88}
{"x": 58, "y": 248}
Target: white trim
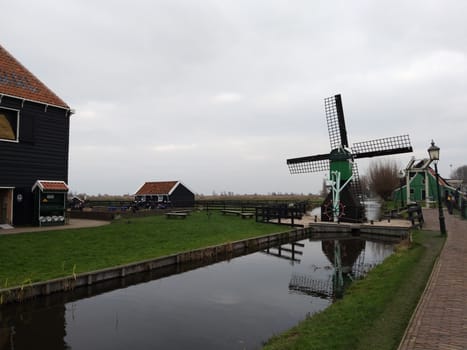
{"x": 34, "y": 101}
{"x": 17, "y": 125}
{"x": 41, "y": 187}
{"x": 181, "y": 183}
{"x": 173, "y": 188}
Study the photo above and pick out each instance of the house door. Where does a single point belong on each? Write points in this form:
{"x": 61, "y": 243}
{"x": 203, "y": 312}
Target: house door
{"x": 6, "y": 205}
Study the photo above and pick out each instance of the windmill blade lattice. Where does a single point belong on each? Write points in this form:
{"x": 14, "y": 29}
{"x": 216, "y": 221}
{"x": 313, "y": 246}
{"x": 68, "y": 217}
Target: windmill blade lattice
{"x": 356, "y": 185}
{"x": 382, "y": 147}
{"x": 310, "y": 164}
{"x": 336, "y": 122}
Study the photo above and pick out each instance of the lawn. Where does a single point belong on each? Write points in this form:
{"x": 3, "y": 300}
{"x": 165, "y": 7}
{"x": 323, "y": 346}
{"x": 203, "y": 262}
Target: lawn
{"x": 40, "y": 256}
{"x": 375, "y": 311}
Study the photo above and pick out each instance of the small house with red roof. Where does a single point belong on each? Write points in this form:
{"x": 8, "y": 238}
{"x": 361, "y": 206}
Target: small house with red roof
{"x": 165, "y": 193}
{"x": 34, "y": 141}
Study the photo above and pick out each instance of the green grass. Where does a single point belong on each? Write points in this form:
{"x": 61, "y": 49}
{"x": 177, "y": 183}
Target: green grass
{"x": 40, "y": 256}
{"x": 374, "y": 311}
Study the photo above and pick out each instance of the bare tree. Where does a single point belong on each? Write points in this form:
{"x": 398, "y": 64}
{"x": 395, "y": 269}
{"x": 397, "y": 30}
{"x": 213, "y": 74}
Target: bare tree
{"x": 365, "y": 185}
{"x": 382, "y": 178}
{"x": 460, "y": 173}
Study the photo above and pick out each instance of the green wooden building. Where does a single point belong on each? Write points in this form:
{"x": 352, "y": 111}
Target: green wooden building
{"x": 419, "y": 185}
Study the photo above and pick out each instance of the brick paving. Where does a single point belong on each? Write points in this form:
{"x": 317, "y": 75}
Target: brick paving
{"x": 440, "y": 320}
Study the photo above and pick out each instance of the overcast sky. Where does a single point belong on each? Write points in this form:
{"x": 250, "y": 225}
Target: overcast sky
{"x": 219, "y": 93}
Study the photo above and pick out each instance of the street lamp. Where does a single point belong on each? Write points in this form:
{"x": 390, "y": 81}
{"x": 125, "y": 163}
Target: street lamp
{"x": 433, "y": 151}
{"x": 401, "y": 177}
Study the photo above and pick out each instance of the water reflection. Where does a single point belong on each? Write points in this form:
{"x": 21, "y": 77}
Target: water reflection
{"x": 285, "y": 252}
{"x": 234, "y": 304}
{"x": 346, "y": 260}
{"x": 27, "y": 330}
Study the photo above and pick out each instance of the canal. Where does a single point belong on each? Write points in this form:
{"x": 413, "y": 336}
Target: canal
{"x": 236, "y": 304}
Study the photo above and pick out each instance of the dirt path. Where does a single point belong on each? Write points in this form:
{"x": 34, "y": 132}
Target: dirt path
{"x": 74, "y": 223}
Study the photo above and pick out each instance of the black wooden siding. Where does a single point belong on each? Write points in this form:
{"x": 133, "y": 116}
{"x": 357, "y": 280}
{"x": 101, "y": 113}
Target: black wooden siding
{"x": 182, "y": 197}
{"x": 40, "y": 154}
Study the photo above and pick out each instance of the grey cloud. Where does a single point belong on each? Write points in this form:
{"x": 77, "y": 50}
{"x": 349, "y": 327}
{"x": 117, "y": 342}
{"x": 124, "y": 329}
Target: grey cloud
{"x": 219, "y": 93}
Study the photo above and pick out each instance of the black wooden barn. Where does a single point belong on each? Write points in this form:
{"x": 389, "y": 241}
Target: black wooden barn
{"x": 34, "y": 135}
{"x": 165, "y": 193}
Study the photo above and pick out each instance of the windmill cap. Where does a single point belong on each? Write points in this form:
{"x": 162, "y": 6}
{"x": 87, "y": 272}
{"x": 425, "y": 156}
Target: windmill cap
{"x": 340, "y": 154}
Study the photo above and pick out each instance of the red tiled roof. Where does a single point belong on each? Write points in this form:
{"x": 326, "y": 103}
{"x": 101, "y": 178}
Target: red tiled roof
{"x": 441, "y": 180}
{"x": 46, "y": 185}
{"x": 17, "y": 81}
{"x": 160, "y": 187}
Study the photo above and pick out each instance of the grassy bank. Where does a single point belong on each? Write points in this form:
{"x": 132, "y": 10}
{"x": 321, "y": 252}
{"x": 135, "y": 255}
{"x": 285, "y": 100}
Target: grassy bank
{"x": 375, "y": 311}
{"x": 39, "y": 256}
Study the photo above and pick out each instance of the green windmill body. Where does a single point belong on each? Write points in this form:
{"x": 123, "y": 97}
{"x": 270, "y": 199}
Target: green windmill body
{"x": 340, "y": 176}
{"x": 341, "y": 161}
{"x": 344, "y": 202}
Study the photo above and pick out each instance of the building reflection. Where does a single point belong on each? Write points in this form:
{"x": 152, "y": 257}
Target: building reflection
{"x": 41, "y": 323}
{"x": 26, "y": 326}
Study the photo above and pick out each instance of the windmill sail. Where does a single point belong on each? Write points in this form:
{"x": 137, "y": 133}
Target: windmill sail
{"x": 356, "y": 189}
{"x": 382, "y": 147}
{"x": 310, "y": 164}
{"x": 336, "y": 122}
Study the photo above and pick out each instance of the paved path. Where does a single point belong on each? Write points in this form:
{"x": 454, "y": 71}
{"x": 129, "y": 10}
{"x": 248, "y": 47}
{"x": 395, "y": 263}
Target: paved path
{"x": 440, "y": 320}
{"x": 74, "y": 223}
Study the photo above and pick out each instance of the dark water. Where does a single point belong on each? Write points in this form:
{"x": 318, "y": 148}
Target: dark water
{"x": 236, "y": 304}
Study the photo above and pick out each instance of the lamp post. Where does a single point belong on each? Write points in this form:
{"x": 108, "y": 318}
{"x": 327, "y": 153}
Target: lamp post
{"x": 401, "y": 176}
{"x": 433, "y": 151}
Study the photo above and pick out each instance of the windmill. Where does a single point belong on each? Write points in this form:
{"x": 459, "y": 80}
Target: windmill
{"x": 344, "y": 202}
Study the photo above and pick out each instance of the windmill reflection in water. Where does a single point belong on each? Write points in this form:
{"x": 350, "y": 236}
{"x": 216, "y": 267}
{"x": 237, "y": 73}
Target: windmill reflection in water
{"x": 347, "y": 262}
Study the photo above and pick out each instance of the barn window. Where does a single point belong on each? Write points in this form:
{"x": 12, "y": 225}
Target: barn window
{"x": 9, "y": 124}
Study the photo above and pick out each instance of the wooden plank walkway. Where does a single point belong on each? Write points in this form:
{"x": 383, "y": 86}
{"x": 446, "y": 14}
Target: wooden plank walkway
{"x": 440, "y": 319}
{"x": 308, "y": 220}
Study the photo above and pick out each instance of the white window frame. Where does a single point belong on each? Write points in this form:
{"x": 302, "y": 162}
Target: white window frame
{"x": 17, "y": 125}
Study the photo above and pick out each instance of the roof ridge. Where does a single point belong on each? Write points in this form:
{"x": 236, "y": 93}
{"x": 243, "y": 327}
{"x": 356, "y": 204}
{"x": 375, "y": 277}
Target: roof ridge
{"x": 18, "y": 81}
{"x": 157, "y": 187}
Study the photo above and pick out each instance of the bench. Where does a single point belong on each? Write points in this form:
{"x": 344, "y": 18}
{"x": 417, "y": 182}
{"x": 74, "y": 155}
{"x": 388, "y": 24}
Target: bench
{"x": 182, "y": 211}
{"x": 244, "y": 215}
{"x": 247, "y": 215}
{"x": 176, "y": 215}
{"x": 233, "y": 212}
